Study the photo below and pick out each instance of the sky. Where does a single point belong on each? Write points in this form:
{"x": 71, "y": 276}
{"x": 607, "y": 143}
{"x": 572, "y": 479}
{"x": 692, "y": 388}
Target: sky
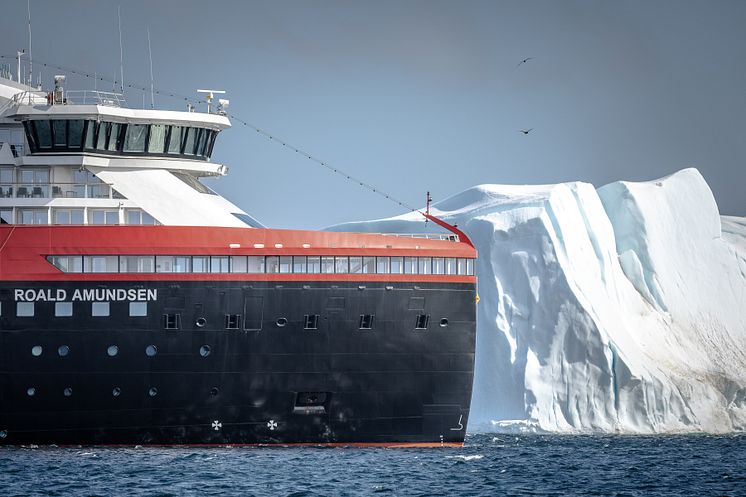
{"x": 416, "y": 96}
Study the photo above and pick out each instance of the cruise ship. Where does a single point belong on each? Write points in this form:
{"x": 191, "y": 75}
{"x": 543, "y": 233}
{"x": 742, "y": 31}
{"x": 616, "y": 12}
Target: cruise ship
{"x": 139, "y": 307}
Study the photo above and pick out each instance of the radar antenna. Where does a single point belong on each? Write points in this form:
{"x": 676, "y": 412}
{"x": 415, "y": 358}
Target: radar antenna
{"x": 210, "y": 95}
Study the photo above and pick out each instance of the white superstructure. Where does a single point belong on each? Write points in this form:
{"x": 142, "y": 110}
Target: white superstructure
{"x": 84, "y": 158}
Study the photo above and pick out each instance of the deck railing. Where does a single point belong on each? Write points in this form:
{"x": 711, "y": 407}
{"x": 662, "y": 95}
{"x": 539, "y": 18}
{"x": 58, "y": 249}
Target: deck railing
{"x": 58, "y": 190}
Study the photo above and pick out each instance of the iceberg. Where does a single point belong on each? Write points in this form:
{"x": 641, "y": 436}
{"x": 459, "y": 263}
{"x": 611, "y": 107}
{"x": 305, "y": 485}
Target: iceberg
{"x": 620, "y": 309}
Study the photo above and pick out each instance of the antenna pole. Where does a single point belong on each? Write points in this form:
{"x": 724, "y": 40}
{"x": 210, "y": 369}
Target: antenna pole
{"x": 121, "y": 51}
{"x": 30, "y": 62}
{"x": 150, "y": 54}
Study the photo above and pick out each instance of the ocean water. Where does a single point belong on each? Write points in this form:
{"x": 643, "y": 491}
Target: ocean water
{"x": 690, "y": 465}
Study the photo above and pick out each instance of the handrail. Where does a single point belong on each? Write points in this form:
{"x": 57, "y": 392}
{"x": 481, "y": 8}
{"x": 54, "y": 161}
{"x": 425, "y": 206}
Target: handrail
{"x": 95, "y": 97}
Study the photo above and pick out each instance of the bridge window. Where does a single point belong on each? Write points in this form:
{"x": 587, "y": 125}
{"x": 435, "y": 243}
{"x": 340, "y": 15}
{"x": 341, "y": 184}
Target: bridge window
{"x": 90, "y": 134}
{"x": 74, "y": 133}
{"x": 103, "y": 133}
{"x": 114, "y": 137}
{"x": 157, "y": 141}
{"x": 59, "y": 131}
{"x": 189, "y": 141}
{"x": 135, "y": 138}
{"x": 43, "y": 134}
{"x": 174, "y": 141}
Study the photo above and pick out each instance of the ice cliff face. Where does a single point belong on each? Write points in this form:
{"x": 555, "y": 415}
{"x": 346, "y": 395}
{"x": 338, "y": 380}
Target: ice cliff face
{"x": 621, "y": 309}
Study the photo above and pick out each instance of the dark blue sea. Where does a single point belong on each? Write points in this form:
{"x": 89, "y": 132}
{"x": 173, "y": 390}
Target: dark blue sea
{"x": 691, "y": 465}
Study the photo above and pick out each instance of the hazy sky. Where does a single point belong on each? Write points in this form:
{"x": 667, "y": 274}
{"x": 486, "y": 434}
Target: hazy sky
{"x": 425, "y": 95}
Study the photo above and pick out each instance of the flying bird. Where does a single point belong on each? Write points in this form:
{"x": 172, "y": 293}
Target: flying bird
{"x": 525, "y": 131}
{"x": 524, "y": 61}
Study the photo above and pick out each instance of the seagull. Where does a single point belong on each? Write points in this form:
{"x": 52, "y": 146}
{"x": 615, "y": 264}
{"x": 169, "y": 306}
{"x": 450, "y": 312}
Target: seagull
{"x": 524, "y": 61}
{"x": 525, "y": 131}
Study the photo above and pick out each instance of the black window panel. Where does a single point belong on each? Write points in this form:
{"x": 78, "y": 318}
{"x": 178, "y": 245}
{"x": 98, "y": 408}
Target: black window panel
{"x": 75, "y": 133}
{"x": 422, "y": 321}
{"x": 232, "y": 321}
{"x": 43, "y": 134}
{"x": 311, "y": 322}
{"x": 59, "y": 132}
{"x": 172, "y": 321}
{"x": 135, "y": 138}
{"x": 366, "y": 321}
{"x": 30, "y": 138}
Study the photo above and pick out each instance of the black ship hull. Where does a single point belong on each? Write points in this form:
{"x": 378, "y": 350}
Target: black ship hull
{"x": 236, "y": 362}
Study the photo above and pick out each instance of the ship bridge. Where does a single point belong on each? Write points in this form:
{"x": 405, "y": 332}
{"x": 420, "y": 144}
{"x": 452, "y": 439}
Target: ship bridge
{"x": 82, "y": 157}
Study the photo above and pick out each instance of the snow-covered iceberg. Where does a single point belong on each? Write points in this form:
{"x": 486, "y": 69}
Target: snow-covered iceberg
{"x": 621, "y": 309}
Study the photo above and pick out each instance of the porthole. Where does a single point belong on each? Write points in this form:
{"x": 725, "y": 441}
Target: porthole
{"x": 30, "y": 391}
{"x": 112, "y": 350}
{"x": 204, "y": 351}
{"x": 63, "y": 350}
{"x": 116, "y": 391}
{"x": 36, "y": 350}
{"x": 444, "y": 322}
{"x": 200, "y": 322}
{"x": 67, "y": 392}
{"x": 282, "y": 322}
{"x": 214, "y": 391}
{"x": 151, "y": 350}
{"x": 153, "y": 391}
{"x": 3, "y": 433}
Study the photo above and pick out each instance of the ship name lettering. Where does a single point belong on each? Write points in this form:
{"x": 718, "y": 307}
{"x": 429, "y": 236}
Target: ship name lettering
{"x": 86, "y": 294}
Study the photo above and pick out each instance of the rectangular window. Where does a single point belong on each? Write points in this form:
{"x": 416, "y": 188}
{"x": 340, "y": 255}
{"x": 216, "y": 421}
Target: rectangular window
{"x": 356, "y": 264}
{"x": 299, "y": 264}
{"x": 255, "y": 264}
{"x": 220, "y": 264}
{"x": 286, "y": 263}
{"x": 232, "y": 321}
{"x": 410, "y": 265}
{"x": 68, "y": 216}
{"x": 138, "y": 309}
{"x": 75, "y": 133}
{"x": 173, "y": 264}
{"x": 200, "y": 264}
{"x": 383, "y": 265}
{"x": 369, "y": 265}
{"x": 6, "y": 174}
{"x": 172, "y": 321}
{"x": 100, "y": 264}
{"x": 462, "y": 266}
{"x": 136, "y": 263}
{"x": 100, "y": 309}
{"x": 6, "y": 216}
{"x": 470, "y": 267}
{"x": 63, "y": 309}
{"x": 341, "y": 265}
{"x": 327, "y": 264}
{"x": 450, "y": 265}
{"x": 157, "y": 140}
{"x": 135, "y": 137}
{"x": 33, "y": 216}
{"x": 366, "y": 321}
{"x": 273, "y": 264}
{"x": 439, "y": 265}
{"x": 425, "y": 265}
{"x": 103, "y": 216}
{"x": 422, "y": 321}
{"x": 238, "y": 264}
{"x": 397, "y": 265}
{"x": 314, "y": 264}
{"x": 25, "y": 309}
{"x": 103, "y": 134}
